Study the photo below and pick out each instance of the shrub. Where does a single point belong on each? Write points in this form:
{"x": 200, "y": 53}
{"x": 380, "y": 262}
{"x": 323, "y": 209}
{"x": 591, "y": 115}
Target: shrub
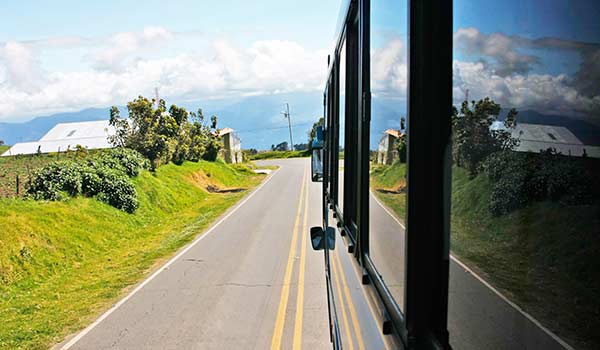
{"x": 117, "y": 190}
{"x": 105, "y": 176}
{"x": 522, "y": 178}
{"x": 51, "y": 181}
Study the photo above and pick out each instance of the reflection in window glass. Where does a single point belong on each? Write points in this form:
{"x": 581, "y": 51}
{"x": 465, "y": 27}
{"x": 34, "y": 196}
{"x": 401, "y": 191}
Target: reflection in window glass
{"x": 342, "y": 120}
{"x": 387, "y": 142}
{"x": 525, "y": 215}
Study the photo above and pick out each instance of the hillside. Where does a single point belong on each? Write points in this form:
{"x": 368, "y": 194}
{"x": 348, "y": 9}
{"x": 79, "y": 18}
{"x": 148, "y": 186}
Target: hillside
{"x": 61, "y": 263}
{"x": 543, "y": 254}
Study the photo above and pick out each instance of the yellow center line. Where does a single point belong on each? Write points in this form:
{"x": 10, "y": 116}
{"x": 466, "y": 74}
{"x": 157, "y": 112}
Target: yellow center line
{"x": 355, "y": 324}
{"x": 342, "y": 304}
{"x": 300, "y": 299}
{"x": 285, "y": 290}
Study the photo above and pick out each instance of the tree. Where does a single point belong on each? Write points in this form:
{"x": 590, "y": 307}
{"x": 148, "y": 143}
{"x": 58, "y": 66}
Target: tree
{"x": 1, "y": 142}
{"x": 474, "y": 139}
{"x": 280, "y": 146}
{"x": 312, "y": 133}
{"x": 400, "y": 144}
{"x": 163, "y": 136}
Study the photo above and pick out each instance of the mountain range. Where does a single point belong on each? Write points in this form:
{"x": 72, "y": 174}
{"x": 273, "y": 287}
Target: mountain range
{"x": 260, "y": 123}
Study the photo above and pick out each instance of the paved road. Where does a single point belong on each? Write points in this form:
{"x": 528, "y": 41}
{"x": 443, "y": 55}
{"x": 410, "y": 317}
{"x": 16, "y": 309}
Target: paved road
{"x": 226, "y": 291}
{"x": 253, "y": 282}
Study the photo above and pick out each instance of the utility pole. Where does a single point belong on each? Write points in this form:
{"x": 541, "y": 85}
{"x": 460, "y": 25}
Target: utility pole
{"x": 286, "y": 114}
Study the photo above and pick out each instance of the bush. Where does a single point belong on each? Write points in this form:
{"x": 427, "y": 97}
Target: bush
{"x": 56, "y": 180}
{"x": 117, "y": 190}
{"x": 522, "y": 178}
{"x": 105, "y": 176}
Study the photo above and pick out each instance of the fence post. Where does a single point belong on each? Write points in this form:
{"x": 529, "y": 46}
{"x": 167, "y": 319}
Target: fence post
{"x": 17, "y": 184}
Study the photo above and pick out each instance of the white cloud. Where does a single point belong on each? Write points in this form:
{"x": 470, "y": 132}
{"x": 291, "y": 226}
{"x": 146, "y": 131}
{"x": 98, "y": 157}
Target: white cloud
{"x": 22, "y": 69}
{"x": 542, "y": 92}
{"x": 223, "y": 70}
{"x": 114, "y": 52}
{"x": 389, "y": 71}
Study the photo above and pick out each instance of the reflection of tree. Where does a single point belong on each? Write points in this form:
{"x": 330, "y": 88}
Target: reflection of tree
{"x": 474, "y": 139}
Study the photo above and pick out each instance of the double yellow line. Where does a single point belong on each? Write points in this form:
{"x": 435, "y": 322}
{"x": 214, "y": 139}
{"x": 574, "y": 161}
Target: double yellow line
{"x": 346, "y": 299}
{"x": 285, "y": 290}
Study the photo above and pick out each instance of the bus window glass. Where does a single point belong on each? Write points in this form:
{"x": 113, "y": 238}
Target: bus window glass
{"x": 525, "y": 214}
{"x": 387, "y": 142}
{"x": 342, "y": 123}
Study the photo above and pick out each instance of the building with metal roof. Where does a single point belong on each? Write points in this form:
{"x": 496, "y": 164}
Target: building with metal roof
{"x": 536, "y": 138}
{"x": 66, "y": 136}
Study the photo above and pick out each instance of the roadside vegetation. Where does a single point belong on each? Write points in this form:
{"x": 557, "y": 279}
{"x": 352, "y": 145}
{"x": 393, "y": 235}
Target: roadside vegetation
{"x": 527, "y": 222}
{"x": 87, "y": 225}
{"x": 278, "y": 154}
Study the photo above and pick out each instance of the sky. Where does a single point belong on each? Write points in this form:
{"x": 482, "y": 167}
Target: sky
{"x": 62, "y": 55}
{"x": 58, "y": 56}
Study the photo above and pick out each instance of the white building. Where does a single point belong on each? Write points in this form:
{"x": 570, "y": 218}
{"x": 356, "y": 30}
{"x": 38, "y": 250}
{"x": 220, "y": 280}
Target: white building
{"x": 66, "y": 136}
{"x": 536, "y": 138}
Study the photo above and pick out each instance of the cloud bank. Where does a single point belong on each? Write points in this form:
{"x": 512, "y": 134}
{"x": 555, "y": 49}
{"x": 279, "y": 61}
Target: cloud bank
{"x": 126, "y": 64}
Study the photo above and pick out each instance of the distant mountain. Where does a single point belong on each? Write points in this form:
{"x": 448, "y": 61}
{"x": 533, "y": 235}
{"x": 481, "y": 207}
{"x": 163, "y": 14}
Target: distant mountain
{"x": 257, "y": 119}
{"x": 260, "y": 124}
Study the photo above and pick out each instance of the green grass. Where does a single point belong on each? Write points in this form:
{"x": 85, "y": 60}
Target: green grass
{"x": 3, "y": 148}
{"x": 544, "y": 257}
{"x": 279, "y": 154}
{"x": 62, "y": 263}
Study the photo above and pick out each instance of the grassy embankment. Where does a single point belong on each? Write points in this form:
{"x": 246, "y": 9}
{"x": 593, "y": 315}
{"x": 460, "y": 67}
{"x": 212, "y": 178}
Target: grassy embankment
{"x": 4, "y": 148}
{"x": 544, "y": 257}
{"x": 279, "y": 154}
{"x": 62, "y": 263}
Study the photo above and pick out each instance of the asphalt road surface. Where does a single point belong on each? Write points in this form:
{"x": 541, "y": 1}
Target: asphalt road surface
{"x": 252, "y": 281}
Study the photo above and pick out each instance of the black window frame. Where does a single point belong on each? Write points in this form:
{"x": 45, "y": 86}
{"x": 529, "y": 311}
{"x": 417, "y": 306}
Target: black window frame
{"x": 423, "y": 324}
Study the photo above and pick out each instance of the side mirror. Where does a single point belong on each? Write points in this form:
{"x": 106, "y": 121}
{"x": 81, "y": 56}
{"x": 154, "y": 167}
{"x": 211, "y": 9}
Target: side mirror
{"x": 316, "y": 163}
{"x": 317, "y": 238}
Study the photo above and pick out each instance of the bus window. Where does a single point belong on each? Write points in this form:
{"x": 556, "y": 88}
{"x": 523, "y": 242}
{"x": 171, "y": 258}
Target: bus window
{"x": 342, "y": 123}
{"x": 525, "y": 214}
{"x": 388, "y": 143}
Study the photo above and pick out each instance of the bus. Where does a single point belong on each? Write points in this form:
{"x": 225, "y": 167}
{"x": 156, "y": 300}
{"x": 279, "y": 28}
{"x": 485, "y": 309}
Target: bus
{"x": 436, "y": 214}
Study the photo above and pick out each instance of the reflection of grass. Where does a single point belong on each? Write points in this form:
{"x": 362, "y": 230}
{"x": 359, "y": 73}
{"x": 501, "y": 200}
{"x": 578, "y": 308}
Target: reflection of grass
{"x": 544, "y": 257}
{"x": 279, "y": 154}
{"x": 61, "y": 263}
{"x": 388, "y": 182}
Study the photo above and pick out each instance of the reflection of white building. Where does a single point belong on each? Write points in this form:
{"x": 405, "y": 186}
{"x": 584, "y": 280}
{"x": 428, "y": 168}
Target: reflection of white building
{"x": 536, "y": 138}
{"x": 387, "y": 151}
{"x": 66, "y": 136}
{"x": 232, "y": 146}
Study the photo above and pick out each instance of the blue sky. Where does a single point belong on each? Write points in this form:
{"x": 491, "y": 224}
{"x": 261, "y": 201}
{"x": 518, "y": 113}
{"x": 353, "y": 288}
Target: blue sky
{"x": 58, "y": 56}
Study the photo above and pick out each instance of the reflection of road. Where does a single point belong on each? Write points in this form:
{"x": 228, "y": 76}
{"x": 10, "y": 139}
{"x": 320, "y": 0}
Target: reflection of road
{"x": 478, "y": 317}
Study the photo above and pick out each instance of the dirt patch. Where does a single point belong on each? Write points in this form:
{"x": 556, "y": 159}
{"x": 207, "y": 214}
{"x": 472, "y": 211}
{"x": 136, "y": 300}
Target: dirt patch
{"x": 207, "y": 183}
{"x": 213, "y": 189}
{"x": 399, "y": 190}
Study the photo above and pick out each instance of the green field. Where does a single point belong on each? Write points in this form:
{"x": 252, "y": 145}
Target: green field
{"x": 23, "y": 166}
{"x": 3, "y": 148}
{"x": 279, "y": 154}
{"x": 63, "y": 263}
{"x": 544, "y": 257}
